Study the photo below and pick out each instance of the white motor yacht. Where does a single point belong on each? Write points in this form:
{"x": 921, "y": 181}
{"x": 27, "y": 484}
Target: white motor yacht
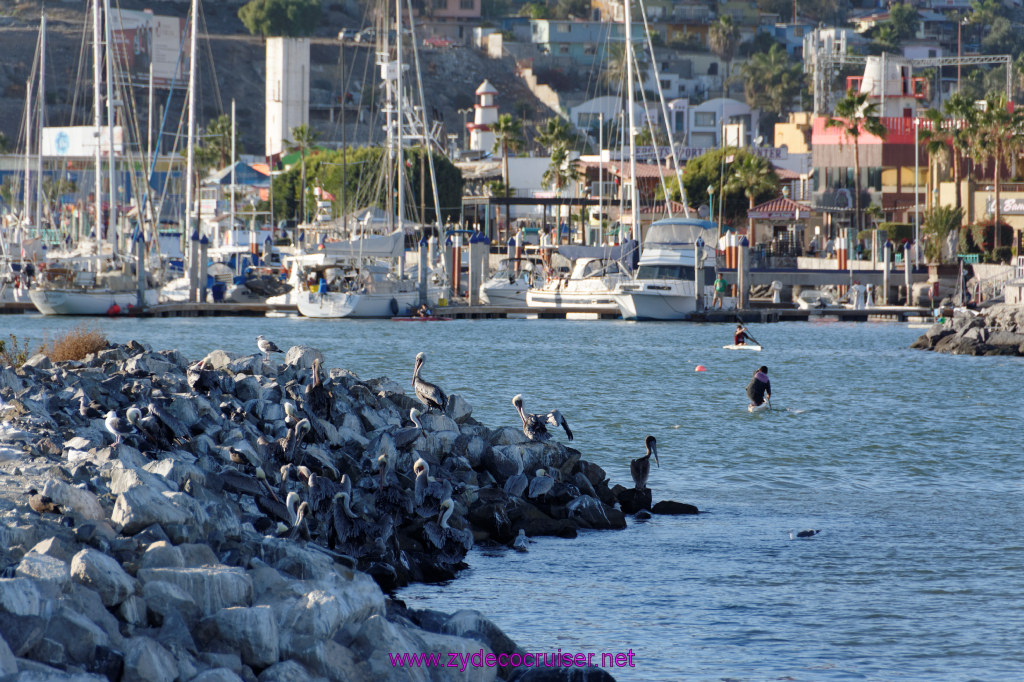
{"x": 590, "y": 287}
{"x": 665, "y": 286}
{"x": 510, "y": 282}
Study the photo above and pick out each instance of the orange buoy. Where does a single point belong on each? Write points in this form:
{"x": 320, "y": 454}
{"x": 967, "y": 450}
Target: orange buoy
{"x": 114, "y": 310}
{"x": 700, "y": 368}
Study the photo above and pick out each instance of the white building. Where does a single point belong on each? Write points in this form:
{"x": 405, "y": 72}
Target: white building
{"x": 287, "y": 90}
{"x": 703, "y": 125}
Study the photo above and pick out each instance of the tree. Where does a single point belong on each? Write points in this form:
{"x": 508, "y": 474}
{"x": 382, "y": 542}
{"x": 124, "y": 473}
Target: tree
{"x": 754, "y": 176}
{"x": 562, "y": 171}
{"x": 960, "y": 109}
{"x": 708, "y": 170}
{"x": 770, "y": 83}
{"x": 997, "y": 137}
{"x": 217, "y": 141}
{"x": 291, "y": 18}
{"x": 723, "y": 39}
{"x": 936, "y": 141}
{"x": 938, "y": 223}
{"x": 554, "y": 132}
{"x": 303, "y": 140}
{"x": 508, "y": 132}
{"x": 855, "y": 115}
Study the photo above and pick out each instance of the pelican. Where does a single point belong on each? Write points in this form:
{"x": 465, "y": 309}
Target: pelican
{"x": 451, "y": 543}
{"x": 291, "y": 503}
{"x": 199, "y": 376}
{"x": 286, "y": 470}
{"x": 428, "y": 393}
{"x": 640, "y": 468}
{"x": 291, "y": 413}
{"x": 267, "y": 347}
{"x": 301, "y": 525}
{"x": 534, "y": 425}
{"x": 408, "y": 435}
{"x": 517, "y": 483}
{"x": 541, "y": 484}
{"x": 805, "y": 534}
{"x": 117, "y": 426}
{"x": 428, "y": 491}
{"x": 318, "y": 397}
{"x": 42, "y": 504}
{"x": 321, "y": 492}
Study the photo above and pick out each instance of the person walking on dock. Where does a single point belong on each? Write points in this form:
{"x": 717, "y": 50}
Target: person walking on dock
{"x": 760, "y": 388}
{"x": 720, "y": 287}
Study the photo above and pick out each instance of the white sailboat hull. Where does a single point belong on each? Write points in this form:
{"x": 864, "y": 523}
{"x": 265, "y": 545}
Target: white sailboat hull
{"x": 588, "y": 301}
{"x": 656, "y": 300}
{"x": 93, "y": 302}
{"x": 336, "y": 304}
{"x": 510, "y": 295}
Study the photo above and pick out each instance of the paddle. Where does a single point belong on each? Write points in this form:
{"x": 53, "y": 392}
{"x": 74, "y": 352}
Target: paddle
{"x": 769, "y": 404}
{"x": 749, "y": 336}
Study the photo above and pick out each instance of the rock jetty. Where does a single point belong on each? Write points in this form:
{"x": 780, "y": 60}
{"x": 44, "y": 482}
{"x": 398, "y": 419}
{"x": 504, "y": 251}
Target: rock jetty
{"x": 998, "y": 330}
{"x": 235, "y": 518}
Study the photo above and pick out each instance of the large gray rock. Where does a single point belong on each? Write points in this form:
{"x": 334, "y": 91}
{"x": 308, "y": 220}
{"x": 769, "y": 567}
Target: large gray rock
{"x": 82, "y": 502}
{"x": 22, "y": 633}
{"x": 220, "y": 359}
{"x": 45, "y": 569}
{"x": 331, "y": 660}
{"x": 77, "y": 634}
{"x": 145, "y": 660}
{"x": 250, "y": 631}
{"x": 378, "y": 637}
{"x": 589, "y": 512}
{"x": 142, "y": 506}
{"x": 8, "y": 665}
{"x": 332, "y": 604}
{"x": 177, "y": 471}
{"x": 286, "y": 671}
{"x": 162, "y": 554}
{"x": 458, "y": 408}
{"x": 217, "y": 675}
{"x": 212, "y": 587}
{"x": 302, "y": 357}
{"x": 162, "y": 597}
{"x": 123, "y": 479}
{"x": 20, "y": 597}
{"x": 103, "y": 574}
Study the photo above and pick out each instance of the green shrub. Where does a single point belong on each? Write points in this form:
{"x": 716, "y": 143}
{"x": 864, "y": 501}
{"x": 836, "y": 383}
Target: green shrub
{"x": 897, "y": 232}
{"x": 1004, "y": 254}
{"x": 11, "y": 353}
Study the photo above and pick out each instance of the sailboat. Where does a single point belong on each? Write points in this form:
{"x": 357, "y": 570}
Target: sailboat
{"x": 83, "y": 281}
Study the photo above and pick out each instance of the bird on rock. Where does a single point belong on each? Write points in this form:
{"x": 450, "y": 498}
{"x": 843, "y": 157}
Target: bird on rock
{"x": 42, "y": 504}
{"x": 640, "y": 468}
{"x": 266, "y": 347}
{"x": 430, "y": 394}
{"x": 535, "y": 425}
{"x": 117, "y": 426}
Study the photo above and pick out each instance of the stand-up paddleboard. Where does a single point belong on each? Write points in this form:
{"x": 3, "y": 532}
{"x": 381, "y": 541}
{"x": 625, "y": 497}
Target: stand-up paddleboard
{"x": 742, "y": 346}
{"x": 758, "y": 408}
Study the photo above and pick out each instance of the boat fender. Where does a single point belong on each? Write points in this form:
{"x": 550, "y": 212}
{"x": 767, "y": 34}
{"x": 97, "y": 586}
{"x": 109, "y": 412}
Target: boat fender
{"x": 114, "y": 310}
{"x": 394, "y": 307}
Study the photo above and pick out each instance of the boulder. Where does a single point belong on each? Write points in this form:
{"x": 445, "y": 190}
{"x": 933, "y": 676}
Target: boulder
{"x": 103, "y": 574}
{"x": 123, "y": 479}
{"x": 285, "y": 671}
{"x": 302, "y": 357}
{"x": 142, "y": 506}
{"x": 77, "y": 634}
{"x": 145, "y": 660}
{"x": 82, "y": 502}
{"x": 162, "y": 597}
{"x": 220, "y": 359}
{"x": 632, "y": 500}
{"x": 591, "y": 513}
{"x": 331, "y": 660}
{"x": 252, "y": 632}
{"x": 21, "y": 633}
{"x": 211, "y": 587}
{"x": 217, "y": 675}
{"x": 162, "y": 554}
{"x": 45, "y": 569}
{"x": 670, "y": 508}
{"x": 20, "y": 597}
{"x": 8, "y": 665}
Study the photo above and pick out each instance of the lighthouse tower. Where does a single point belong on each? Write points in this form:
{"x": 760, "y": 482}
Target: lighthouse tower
{"x": 481, "y": 137}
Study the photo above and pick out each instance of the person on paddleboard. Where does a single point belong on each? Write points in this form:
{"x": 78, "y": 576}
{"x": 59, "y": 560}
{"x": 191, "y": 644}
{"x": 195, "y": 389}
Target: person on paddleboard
{"x": 760, "y": 388}
{"x": 740, "y": 337}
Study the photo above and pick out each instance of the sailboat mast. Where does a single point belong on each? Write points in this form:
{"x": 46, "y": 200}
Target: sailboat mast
{"x": 27, "y": 189}
{"x": 112, "y": 190}
{"x": 634, "y": 198}
{"x": 96, "y": 103}
{"x": 399, "y": 120}
{"x": 189, "y": 189}
{"x": 42, "y": 103}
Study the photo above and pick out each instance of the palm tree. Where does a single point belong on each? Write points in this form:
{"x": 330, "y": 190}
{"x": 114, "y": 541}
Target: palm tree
{"x": 554, "y": 132}
{"x": 997, "y": 137}
{"x": 754, "y": 176}
{"x": 962, "y": 112}
{"x": 936, "y": 140}
{"x": 723, "y": 39}
{"x": 855, "y": 115}
{"x": 217, "y": 139}
{"x": 303, "y": 140}
{"x": 771, "y": 82}
{"x": 562, "y": 170}
{"x": 508, "y": 132}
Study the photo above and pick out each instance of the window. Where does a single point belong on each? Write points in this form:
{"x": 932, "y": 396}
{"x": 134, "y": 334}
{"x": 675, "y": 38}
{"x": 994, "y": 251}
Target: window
{"x": 466, "y": 4}
{"x": 713, "y": 69}
{"x": 563, "y": 49}
{"x": 665, "y": 85}
{"x": 590, "y": 50}
{"x": 563, "y": 28}
{"x": 704, "y": 119}
{"x": 440, "y": 4}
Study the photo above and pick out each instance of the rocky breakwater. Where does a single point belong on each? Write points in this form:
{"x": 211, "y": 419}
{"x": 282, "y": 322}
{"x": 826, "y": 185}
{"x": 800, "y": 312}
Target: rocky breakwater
{"x": 998, "y": 330}
{"x": 236, "y": 519}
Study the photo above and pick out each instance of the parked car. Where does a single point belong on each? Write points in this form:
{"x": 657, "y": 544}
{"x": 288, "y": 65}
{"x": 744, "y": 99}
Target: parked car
{"x": 367, "y": 35}
{"x": 346, "y": 34}
{"x": 437, "y": 41}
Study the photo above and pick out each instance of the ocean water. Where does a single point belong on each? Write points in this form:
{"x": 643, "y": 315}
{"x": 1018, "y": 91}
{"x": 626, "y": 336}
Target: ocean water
{"x": 909, "y": 463}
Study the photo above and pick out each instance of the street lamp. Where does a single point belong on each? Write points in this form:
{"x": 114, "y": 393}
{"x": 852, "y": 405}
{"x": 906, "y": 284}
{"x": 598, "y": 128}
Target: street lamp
{"x": 711, "y": 208}
{"x": 959, "y": 46}
{"x": 465, "y": 126}
{"x": 917, "y": 205}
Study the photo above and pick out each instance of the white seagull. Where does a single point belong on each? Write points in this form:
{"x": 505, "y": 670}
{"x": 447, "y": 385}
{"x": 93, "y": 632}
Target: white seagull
{"x": 266, "y": 347}
{"x": 117, "y": 426}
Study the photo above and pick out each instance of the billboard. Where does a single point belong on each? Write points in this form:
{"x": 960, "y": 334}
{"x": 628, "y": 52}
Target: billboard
{"x": 80, "y": 141}
{"x": 143, "y": 38}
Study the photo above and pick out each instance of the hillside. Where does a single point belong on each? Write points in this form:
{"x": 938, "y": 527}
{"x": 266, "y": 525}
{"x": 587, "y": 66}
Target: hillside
{"x": 232, "y": 65}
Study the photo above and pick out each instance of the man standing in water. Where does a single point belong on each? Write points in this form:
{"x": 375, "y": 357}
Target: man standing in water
{"x": 760, "y": 388}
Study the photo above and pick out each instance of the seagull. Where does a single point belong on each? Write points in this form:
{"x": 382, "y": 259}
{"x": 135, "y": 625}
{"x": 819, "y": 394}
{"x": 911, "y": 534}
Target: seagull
{"x": 117, "y": 426}
{"x": 266, "y": 347}
{"x": 541, "y": 484}
{"x": 640, "y": 468}
{"x": 805, "y": 534}
{"x": 519, "y": 544}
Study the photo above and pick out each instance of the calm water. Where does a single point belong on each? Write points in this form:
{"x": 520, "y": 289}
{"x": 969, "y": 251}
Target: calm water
{"x": 909, "y": 462}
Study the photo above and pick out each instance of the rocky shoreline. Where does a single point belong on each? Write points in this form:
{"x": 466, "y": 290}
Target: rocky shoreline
{"x": 998, "y": 330}
{"x": 238, "y": 519}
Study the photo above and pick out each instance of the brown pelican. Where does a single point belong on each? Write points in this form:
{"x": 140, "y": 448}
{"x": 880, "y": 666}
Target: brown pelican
{"x": 640, "y": 468}
{"x": 199, "y": 376}
{"x": 301, "y": 525}
{"x": 451, "y": 543}
{"x": 117, "y": 426}
{"x": 428, "y": 393}
{"x": 534, "y": 425}
{"x": 428, "y": 492}
{"x": 293, "y": 439}
{"x": 42, "y": 504}
{"x": 321, "y": 492}
{"x": 291, "y": 503}
{"x": 291, "y": 413}
{"x": 319, "y": 400}
{"x": 408, "y": 435}
{"x": 266, "y": 347}
{"x": 541, "y": 484}
{"x": 517, "y": 482}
